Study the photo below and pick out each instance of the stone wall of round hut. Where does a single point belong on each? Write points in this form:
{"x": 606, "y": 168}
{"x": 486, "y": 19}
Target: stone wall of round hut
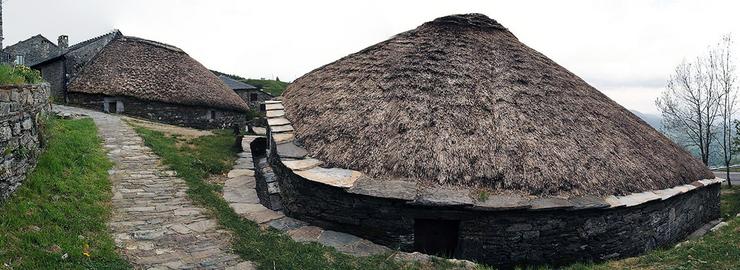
{"x": 528, "y": 233}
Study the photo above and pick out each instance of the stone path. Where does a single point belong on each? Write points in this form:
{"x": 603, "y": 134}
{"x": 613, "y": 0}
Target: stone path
{"x": 154, "y": 224}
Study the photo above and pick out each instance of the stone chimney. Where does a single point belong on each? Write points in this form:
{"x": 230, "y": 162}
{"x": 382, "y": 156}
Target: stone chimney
{"x": 63, "y": 42}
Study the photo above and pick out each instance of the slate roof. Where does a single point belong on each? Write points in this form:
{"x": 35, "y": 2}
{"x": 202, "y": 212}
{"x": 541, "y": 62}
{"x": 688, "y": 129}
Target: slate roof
{"x": 236, "y": 85}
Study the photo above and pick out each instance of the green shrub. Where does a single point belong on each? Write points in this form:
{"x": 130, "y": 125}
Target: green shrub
{"x": 19, "y": 75}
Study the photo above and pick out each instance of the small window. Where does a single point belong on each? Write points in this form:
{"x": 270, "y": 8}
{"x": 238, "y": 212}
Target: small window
{"x": 253, "y": 97}
{"x": 20, "y": 60}
{"x": 211, "y": 115}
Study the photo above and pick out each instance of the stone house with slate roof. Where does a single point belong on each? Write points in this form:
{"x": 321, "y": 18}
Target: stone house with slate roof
{"x": 143, "y": 78}
{"x": 252, "y": 95}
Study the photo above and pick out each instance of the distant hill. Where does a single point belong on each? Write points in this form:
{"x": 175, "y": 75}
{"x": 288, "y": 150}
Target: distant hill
{"x": 273, "y": 87}
{"x": 653, "y": 120}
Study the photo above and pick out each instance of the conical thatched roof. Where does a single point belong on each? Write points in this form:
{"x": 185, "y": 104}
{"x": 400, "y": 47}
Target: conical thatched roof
{"x": 150, "y": 70}
{"x": 460, "y": 100}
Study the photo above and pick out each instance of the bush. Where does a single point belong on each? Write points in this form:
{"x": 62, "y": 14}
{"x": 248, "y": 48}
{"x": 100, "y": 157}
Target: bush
{"x": 19, "y": 75}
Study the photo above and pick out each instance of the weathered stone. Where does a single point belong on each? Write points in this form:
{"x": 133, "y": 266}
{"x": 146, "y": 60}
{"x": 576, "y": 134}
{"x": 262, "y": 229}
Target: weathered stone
{"x": 503, "y": 202}
{"x": 240, "y": 172}
{"x": 241, "y": 196}
{"x": 274, "y": 106}
{"x": 290, "y": 150}
{"x": 277, "y": 121}
{"x": 588, "y": 202}
{"x": 263, "y": 216}
{"x": 363, "y": 248}
{"x": 273, "y": 102}
{"x": 202, "y": 226}
{"x": 243, "y": 208}
{"x": 337, "y": 239}
{"x": 240, "y": 182}
{"x": 282, "y": 137}
{"x": 306, "y": 234}
{"x": 275, "y": 113}
{"x": 392, "y": 189}
{"x": 302, "y": 164}
{"x": 550, "y": 203}
{"x": 286, "y": 224}
{"x": 281, "y": 129}
{"x": 441, "y": 196}
{"x": 332, "y": 176}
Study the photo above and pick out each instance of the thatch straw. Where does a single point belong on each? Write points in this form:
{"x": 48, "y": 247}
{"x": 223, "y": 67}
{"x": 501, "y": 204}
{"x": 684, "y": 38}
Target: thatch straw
{"x": 150, "y": 70}
{"x": 460, "y": 100}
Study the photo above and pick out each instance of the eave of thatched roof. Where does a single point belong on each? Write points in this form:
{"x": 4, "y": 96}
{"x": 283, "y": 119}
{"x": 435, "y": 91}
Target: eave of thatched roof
{"x": 461, "y": 101}
{"x": 151, "y": 70}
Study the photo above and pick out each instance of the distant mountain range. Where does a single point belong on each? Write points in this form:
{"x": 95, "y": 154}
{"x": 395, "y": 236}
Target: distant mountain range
{"x": 653, "y": 120}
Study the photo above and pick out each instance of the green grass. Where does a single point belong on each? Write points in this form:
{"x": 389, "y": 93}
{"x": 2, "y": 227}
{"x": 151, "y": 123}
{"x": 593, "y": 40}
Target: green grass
{"x": 273, "y": 87}
{"x": 62, "y": 207}
{"x": 194, "y": 160}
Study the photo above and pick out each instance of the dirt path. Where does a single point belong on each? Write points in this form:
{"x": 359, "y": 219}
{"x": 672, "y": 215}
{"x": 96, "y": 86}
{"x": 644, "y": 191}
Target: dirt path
{"x": 154, "y": 223}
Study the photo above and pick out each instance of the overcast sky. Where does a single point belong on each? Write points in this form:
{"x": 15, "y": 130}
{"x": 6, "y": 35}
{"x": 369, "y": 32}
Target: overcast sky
{"x": 626, "y": 49}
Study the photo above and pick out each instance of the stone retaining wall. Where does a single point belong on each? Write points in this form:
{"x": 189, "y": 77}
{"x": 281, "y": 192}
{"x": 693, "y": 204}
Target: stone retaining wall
{"x": 22, "y": 109}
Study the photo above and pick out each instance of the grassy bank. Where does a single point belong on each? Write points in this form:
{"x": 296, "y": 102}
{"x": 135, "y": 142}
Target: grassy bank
{"x": 62, "y": 207}
{"x": 195, "y": 159}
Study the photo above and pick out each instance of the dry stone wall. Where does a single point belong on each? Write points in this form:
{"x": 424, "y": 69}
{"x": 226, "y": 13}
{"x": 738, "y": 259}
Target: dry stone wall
{"x": 22, "y": 109}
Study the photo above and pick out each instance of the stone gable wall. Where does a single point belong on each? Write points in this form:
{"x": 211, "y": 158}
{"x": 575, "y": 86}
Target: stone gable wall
{"x": 168, "y": 113}
{"x": 22, "y": 109}
{"x": 34, "y": 50}
{"x": 253, "y": 104}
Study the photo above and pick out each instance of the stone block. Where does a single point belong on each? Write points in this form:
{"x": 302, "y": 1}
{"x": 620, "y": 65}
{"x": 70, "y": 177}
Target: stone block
{"x": 392, "y": 189}
{"x": 550, "y": 203}
{"x": 503, "y": 202}
{"x": 302, "y": 164}
{"x": 277, "y": 121}
{"x": 443, "y": 196}
{"x": 240, "y": 172}
{"x": 290, "y": 150}
{"x": 274, "y": 106}
{"x": 281, "y": 129}
{"x": 332, "y": 176}
{"x": 275, "y": 113}
{"x": 282, "y": 137}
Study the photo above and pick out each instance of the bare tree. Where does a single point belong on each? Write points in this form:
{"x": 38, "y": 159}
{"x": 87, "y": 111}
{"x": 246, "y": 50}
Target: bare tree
{"x": 690, "y": 104}
{"x": 726, "y": 77}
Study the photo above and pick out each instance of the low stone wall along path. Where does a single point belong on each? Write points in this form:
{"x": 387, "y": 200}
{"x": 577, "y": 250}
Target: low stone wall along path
{"x": 154, "y": 224}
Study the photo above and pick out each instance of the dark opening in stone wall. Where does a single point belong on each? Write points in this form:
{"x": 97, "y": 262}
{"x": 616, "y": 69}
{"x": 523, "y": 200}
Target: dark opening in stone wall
{"x": 436, "y": 237}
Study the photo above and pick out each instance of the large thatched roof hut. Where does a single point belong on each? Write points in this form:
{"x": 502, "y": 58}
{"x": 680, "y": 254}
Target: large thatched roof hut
{"x": 457, "y": 128}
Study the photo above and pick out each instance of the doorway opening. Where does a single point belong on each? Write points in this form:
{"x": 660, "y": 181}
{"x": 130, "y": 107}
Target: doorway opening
{"x": 112, "y": 107}
{"x": 436, "y": 237}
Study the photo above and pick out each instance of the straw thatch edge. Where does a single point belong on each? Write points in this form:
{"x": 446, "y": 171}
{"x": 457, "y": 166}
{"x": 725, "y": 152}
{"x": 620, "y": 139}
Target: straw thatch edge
{"x": 307, "y": 167}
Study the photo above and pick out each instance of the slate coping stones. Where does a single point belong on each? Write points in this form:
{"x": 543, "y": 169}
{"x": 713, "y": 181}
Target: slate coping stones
{"x": 503, "y": 202}
{"x": 277, "y": 121}
{"x": 550, "y": 203}
{"x": 333, "y": 176}
{"x": 274, "y": 106}
{"x": 443, "y": 196}
{"x": 276, "y": 113}
{"x": 291, "y": 150}
{"x": 283, "y": 137}
{"x": 667, "y": 193}
{"x": 391, "y": 189}
{"x": 279, "y": 129}
{"x": 588, "y": 202}
{"x": 302, "y": 164}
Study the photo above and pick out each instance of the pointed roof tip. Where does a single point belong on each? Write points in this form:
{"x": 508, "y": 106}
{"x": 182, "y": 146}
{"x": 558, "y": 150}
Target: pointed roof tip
{"x": 475, "y": 20}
